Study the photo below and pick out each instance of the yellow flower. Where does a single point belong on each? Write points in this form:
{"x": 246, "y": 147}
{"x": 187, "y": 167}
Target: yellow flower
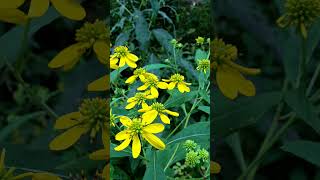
{"x": 113, "y": 63}
{"x": 112, "y": 118}
{"x": 101, "y": 84}
{"x": 215, "y": 168}
{"x": 95, "y": 35}
{"x": 301, "y": 14}
{"x": 141, "y": 73}
{"x": 200, "y": 40}
{"x": 178, "y": 80}
{"x": 45, "y": 176}
{"x": 68, "y": 8}
{"x": 203, "y": 65}
{"x": 122, "y": 54}
{"x": 91, "y": 117}
{"x": 229, "y": 74}
{"x": 150, "y": 113}
{"x": 153, "y": 83}
{"x": 9, "y": 12}
{"x": 136, "y": 129}
{"x": 139, "y": 98}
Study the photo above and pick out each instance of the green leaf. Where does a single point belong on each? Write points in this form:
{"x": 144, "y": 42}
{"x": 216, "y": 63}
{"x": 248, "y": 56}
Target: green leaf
{"x": 205, "y": 109}
{"x": 230, "y": 116}
{"x": 116, "y": 73}
{"x": 156, "y": 66}
{"x": 297, "y": 100}
{"x": 176, "y": 99}
{"x": 141, "y": 29}
{"x": 154, "y": 171}
{"x": 155, "y": 6}
{"x": 16, "y": 122}
{"x": 199, "y": 132}
{"x": 118, "y": 154}
{"x": 164, "y": 38}
{"x": 12, "y": 39}
{"x": 200, "y": 54}
{"x": 81, "y": 163}
{"x": 313, "y": 39}
{"x": 306, "y": 150}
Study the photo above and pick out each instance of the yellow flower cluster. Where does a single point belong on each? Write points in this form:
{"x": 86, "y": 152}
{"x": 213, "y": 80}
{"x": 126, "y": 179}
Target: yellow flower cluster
{"x": 229, "y": 75}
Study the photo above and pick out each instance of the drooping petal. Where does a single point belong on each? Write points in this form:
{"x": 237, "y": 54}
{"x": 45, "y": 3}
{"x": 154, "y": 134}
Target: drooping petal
{"x": 162, "y": 85}
{"x": 122, "y": 135}
{"x": 68, "y": 138}
{"x": 68, "y": 55}
{"x": 102, "y": 50}
{"x": 172, "y": 85}
{"x": 105, "y": 137}
{"x": 70, "y": 9}
{"x": 67, "y": 121}
{"x": 247, "y": 88}
{"x": 44, "y": 175}
{"x": 143, "y": 87}
{"x": 101, "y": 84}
{"x": 131, "y": 64}
{"x": 123, "y": 145}
{"x": 131, "y": 105}
{"x": 5, "y": 4}
{"x": 131, "y": 99}
{"x": 14, "y": 16}
{"x": 136, "y": 146}
{"x": 164, "y": 118}
{"x": 38, "y": 8}
{"x": 183, "y": 88}
{"x": 154, "y": 92}
{"x": 131, "y": 79}
{"x": 154, "y": 140}
{"x": 99, "y": 154}
{"x": 166, "y": 80}
{"x": 149, "y": 117}
{"x": 228, "y": 81}
{"x": 122, "y": 62}
{"x": 28, "y": 174}
{"x": 154, "y": 128}
{"x": 125, "y": 121}
{"x": 132, "y": 57}
{"x": 113, "y": 63}
{"x": 172, "y": 113}
{"x": 144, "y": 105}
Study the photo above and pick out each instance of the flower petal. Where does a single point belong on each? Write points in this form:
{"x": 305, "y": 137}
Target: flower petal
{"x": 143, "y": 87}
{"x": 149, "y": 117}
{"x": 122, "y": 135}
{"x": 136, "y": 146}
{"x": 38, "y": 8}
{"x": 122, "y": 62}
{"x": 132, "y": 57}
{"x": 131, "y": 99}
{"x": 154, "y": 92}
{"x": 14, "y": 16}
{"x": 154, "y": 128}
{"x": 68, "y": 138}
{"x": 70, "y": 9}
{"x": 68, "y": 55}
{"x": 123, "y": 145}
{"x": 125, "y": 121}
{"x": 131, "y": 79}
{"x": 172, "y": 85}
{"x": 131, "y": 105}
{"x": 247, "y": 88}
{"x": 67, "y": 120}
{"x": 228, "y": 81}
{"x": 154, "y": 140}
{"x": 105, "y": 171}
{"x": 102, "y": 50}
{"x": 4, "y": 4}
{"x": 44, "y": 175}
{"x": 172, "y": 113}
{"x": 131, "y": 64}
{"x": 101, "y": 154}
{"x": 164, "y": 118}
{"x": 101, "y": 84}
{"x": 183, "y": 88}
{"x": 162, "y": 85}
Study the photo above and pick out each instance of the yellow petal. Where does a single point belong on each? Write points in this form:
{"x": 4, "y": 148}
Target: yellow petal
{"x": 70, "y": 65}
{"x": 172, "y": 113}
{"x": 3, "y": 154}
{"x": 14, "y": 16}
{"x": 101, "y": 154}
{"x": 102, "y": 50}
{"x": 247, "y": 88}
{"x": 244, "y": 70}
{"x": 105, "y": 137}
{"x": 166, "y": 80}
{"x": 132, "y": 57}
{"x": 154, "y": 128}
{"x": 44, "y": 176}
{"x": 154, "y": 92}
{"x": 149, "y": 117}
{"x": 122, "y": 135}
{"x": 172, "y": 85}
{"x": 183, "y": 88}
{"x": 38, "y": 8}
{"x": 154, "y": 140}
{"x": 70, "y": 9}
{"x": 131, "y": 79}
{"x": 162, "y": 85}
{"x": 101, "y": 84}
{"x": 122, "y": 62}
{"x": 4, "y": 4}
{"x": 67, "y": 139}
{"x": 164, "y": 118}
{"x": 125, "y": 121}
{"x": 131, "y": 64}
{"x": 215, "y": 168}
{"x": 143, "y": 87}
{"x": 136, "y": 146}
{"x": 123, "y": 145}
{"x": 22, "y": 176}
{"x": 68, "y": 55}
{"x": 67, "y": 121}
{"x": 144, "y": 105}
{"x": 228, "y": 81}
{"x": 131, "y": 99}
{"x": 131, "y": 105}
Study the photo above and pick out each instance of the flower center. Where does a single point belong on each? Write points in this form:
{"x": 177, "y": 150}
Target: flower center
{"x": 158, "y": 107}
{"x": 140, "y": 97}
{"x": 121, "y": 51}
{"x": 136, "y": 126}
{"x": 177, "y": 78}
{"x": 90, "y": 32}
{"x": 221, "y": 51}
{"x": 151, "y": 81}
{"x": 94, "y": 111}
{"x": 303, "y": 11}
{"x": 203, "y": 64}
{"x": 139, "y": 71}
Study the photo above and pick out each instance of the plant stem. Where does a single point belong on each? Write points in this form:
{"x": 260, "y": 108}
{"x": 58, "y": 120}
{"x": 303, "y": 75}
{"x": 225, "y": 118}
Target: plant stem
{"x": 24, "y": 46}
{"x": 235, "y": 144}
{"x": 172, "y": 157}
{"x": 313, "y": 80}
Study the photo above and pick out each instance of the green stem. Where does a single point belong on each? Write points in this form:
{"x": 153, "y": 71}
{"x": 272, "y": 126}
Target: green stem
{"x": 313, "y": 80}
{"x": 302, "y": 64}
{"x": 172, "y": 157}
{"x": 24, "y": 46}
{"x": 235, "y": 144}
